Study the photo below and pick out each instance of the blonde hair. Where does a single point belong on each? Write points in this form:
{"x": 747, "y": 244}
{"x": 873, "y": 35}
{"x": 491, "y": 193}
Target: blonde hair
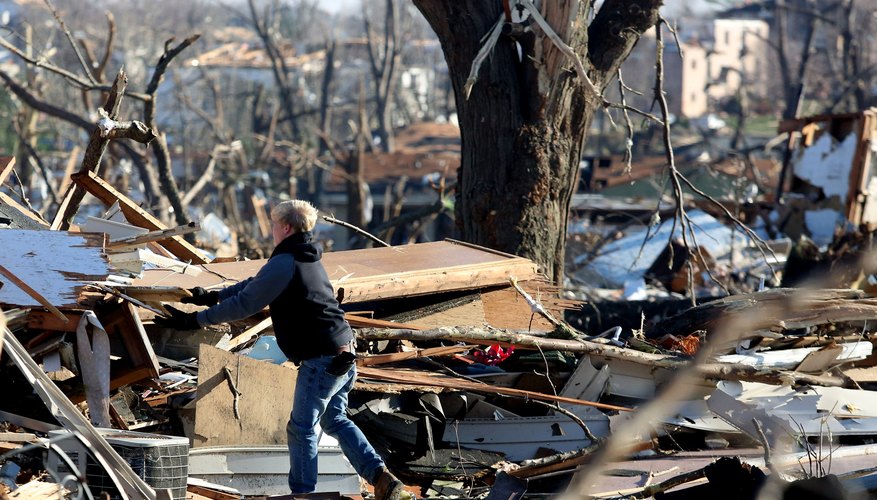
{"x": 299, "y": 214}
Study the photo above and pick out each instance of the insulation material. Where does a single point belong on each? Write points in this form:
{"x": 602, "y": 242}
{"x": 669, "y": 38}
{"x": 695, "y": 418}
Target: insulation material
{"x": 789, "y": 359}
{"x": 807, "y": 411}
{"x": 827, "y": 164}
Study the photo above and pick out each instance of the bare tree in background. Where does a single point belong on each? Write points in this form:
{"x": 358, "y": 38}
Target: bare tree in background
{"x": 855, "y": 51}
{"x": 326, "y": 93}
{"x": 77, "y": 67}
{"x": 266, "y": 25}
{"x": 385, "y": 55}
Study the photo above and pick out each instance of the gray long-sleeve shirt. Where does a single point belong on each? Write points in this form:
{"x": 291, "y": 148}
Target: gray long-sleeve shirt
{"x": 252, "y": 295}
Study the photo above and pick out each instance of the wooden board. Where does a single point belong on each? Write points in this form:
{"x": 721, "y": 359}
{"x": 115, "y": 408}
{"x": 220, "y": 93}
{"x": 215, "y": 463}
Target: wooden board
{"x": 467, "y": 314}
{"x": 101, "y": 190}
{"x": 56, "y": 264}
{"x": 42, "y": 320}
{"x": 7, "y": 163}
{"x": 130, "y": 342}
{"x": 264, "y": 404}
{"x": 506, "y": 308}
{"x": 380, "y": 273}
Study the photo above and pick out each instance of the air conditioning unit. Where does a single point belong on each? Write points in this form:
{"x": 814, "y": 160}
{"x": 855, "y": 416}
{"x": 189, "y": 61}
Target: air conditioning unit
{"x": 161, "y": 461}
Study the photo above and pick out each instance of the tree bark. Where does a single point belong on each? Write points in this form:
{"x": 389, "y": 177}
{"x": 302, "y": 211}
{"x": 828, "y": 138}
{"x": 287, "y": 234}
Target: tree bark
{"x": 279, "y": 69}
{"x": 525, "y": 122}
{"x": 27, "y": 124}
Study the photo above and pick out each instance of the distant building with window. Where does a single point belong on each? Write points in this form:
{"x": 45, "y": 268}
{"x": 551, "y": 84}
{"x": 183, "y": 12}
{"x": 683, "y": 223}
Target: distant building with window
{"x": 717, "y": 55}
{"x": 738, "y": 56}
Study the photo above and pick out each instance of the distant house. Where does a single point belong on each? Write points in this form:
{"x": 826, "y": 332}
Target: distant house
{"x": 706, "y": 68}
{"x": 242, "y": 63}
{"x": 738, "y": 56}
{"x": 686, "y": 78}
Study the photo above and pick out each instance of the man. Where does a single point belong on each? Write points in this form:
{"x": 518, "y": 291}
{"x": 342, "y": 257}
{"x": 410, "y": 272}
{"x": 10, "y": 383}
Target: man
{"x": 312, "y": 332}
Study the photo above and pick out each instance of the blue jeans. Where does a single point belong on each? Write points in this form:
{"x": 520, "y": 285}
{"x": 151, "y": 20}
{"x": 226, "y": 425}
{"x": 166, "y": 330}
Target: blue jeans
{"x": 322, "y": 398}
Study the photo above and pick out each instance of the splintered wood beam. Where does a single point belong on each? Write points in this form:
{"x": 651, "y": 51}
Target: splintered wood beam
{"x": 156, "y": 294}
{"x": 33, "y": 293}
{"x": 248, "y": 334}
{"x": 357, "y": 321}
{"x": 262, "y": 218}
{"x": 68, "y": 170}
{"x": 57, "y": 222}
{"x": 106, "y": 193}
{"x": 7, "y": 163}
{"x": 160, "y": 235}
{"x": 380, "y": 359}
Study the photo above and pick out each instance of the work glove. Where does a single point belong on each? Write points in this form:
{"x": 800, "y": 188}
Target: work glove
{"x": 201, "y": 297}
{"x": 179, "y": 320}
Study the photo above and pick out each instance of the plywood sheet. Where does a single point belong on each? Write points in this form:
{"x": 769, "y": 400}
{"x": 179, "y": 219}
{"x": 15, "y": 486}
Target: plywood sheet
{"x": 468, "y": 314}
{"x": 506, "y": 308}
{"x": 380, "y": 273}
{"x": 56, "y": 264}
{"x": 264, "y": 403}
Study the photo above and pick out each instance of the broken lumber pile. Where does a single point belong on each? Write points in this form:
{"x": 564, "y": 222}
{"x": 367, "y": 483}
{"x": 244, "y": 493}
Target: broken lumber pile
{"x": 463, "y": 353}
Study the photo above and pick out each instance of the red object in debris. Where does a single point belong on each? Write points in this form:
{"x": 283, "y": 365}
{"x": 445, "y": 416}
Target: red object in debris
{"x": 688, "y": 344}
{"x": 493, "y": 355}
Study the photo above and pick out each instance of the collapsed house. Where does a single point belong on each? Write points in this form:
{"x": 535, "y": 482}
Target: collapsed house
{"x": 832, "y": 175}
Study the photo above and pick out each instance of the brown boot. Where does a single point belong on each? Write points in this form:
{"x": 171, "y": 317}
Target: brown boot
{"x": 388, "y": 487}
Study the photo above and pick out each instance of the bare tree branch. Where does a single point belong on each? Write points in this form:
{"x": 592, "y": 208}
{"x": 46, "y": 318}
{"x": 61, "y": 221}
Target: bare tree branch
{"x": 97, "y": 144}
{"x": 358, "y": 230}
{"x": 71, "y": 77}
{"x": 75, "y": 46}
{"x": 162, "y": 154}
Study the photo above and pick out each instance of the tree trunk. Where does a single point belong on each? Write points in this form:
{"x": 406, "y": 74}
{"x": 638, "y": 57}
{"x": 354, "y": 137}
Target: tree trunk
{"x": 160, "y": 147}
{"x": 384, "y": 62}
{"x": 320, "y": 174}
{"x": 525, "y": 122}
{"x": 354, "y": 167}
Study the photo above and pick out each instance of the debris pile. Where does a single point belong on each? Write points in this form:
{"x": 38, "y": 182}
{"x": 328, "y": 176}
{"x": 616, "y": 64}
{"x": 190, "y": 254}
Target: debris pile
{"x": 476, "y": 375}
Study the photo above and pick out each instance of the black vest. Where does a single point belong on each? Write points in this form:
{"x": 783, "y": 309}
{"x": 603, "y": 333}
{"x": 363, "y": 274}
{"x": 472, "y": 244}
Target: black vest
{"x": 308, "y": 321}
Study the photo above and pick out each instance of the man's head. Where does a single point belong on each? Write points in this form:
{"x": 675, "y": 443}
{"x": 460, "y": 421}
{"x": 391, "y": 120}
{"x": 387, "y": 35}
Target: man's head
{"x": 291, "y": 217}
